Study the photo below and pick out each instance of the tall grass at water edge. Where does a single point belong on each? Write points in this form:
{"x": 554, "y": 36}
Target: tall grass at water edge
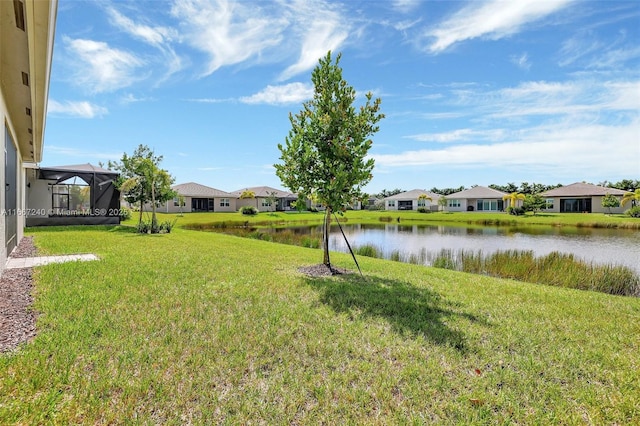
{"x": 557, "y": 269}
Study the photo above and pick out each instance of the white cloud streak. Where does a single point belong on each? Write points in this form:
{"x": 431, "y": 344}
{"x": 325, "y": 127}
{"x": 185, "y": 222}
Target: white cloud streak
{"x": 553, "y": 147}
{"x": 228, "y": 33}
{"x": 581, "y": 126}
{"x": 321, "y": 29}
{"x": 281, "y": 95}
{"x": 159, "y": 37}
{"x": 100, "y": 68}
{"x": 74, "y": 152}
{"x": 78, "y": 109}
{"x": 492, "y": 20}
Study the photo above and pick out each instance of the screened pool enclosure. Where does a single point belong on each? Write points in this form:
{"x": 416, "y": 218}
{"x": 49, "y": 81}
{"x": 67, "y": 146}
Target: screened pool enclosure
{"x": 81, "y": 194}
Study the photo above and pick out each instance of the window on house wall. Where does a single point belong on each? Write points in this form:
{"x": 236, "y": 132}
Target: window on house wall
{"x": 453, "y": 203}
{"x": 224, "y": 202}
{"x": 266, "y": 203}
{"x": 549, "y": 203}
{"x": 391, "y": 203}
{"x": 422, "y": 202}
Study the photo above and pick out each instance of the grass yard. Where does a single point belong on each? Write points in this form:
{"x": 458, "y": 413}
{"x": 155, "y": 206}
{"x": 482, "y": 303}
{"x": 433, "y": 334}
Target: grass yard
{"x": 197, "y": 327}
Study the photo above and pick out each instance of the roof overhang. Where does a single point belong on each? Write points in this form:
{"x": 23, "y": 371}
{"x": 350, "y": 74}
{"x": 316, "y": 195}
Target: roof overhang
{"x": 27, "y": 29}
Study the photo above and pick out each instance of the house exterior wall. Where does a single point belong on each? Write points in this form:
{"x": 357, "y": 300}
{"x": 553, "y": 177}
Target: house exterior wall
{"x": 171, "y": 207}
{"x": 19, "y": 211}
{"x": 596, "y": 204}
{"x": 456, "y": 205}
{"x": 402, "y": 204}
{"x": 38, "y": 195}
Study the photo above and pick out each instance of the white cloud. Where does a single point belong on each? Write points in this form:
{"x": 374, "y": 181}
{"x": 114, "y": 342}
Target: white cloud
{"x": 157, "y": 36}
{"x": 459, "y": 135}
{"x": 154, "y": 35}
{"x": 405, "y": 6}
{"x": 321, "y": 28}
{"x": 229, "y": 33}
{"x": 581, "y": 148}
{"x": 74, "y": 152}
{"x": 80, "y": 109}
{"x": 521, "y": 61}
{"x": 278, "y": 95}
{"x": 129, "y": 98}
{"x": 493, "y": 20}
{"x": 100, "y": 68}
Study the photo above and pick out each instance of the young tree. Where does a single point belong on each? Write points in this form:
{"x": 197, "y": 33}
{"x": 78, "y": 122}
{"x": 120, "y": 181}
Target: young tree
{"x": 272, "y": 199}
{"x": 609, "y": 201}
{"x": 442, "y": 202}
{"x": 534, "y": 203}
{"x": 142, "y": 181}
{"x": 181, "y": 203}
{"x": 325, "y": 153}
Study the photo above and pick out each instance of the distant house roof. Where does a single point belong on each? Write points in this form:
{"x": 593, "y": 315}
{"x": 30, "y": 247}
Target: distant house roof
{"x": 192, "y": 189}
{"x": 580, "y": 189}
{"x": 414, "y": 194}
{"x": 265, "y": 191}
{"x": 478, "y": 192}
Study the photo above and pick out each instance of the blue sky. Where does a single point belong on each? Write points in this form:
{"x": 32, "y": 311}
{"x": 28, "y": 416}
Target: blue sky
{"x": 474, "y": 93}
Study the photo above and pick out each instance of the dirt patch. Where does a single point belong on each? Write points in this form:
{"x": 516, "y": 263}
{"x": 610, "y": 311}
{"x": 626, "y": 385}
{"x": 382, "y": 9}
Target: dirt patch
{"x": 321, "y": 270}
{"x": 17, "y": 319}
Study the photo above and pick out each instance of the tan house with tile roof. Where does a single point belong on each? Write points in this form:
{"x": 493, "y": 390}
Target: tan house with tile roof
{"x": 476, "y": 199}
{"x": 27, "y": 30}
{"x": 262, "y": 200}
{"x": 410, "y": 200}
{"x": 200, "y": 198}
{"x": 581, "y": 198}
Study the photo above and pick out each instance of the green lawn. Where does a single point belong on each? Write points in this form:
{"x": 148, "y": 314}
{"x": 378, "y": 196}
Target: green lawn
{"x": 195, "y": 327}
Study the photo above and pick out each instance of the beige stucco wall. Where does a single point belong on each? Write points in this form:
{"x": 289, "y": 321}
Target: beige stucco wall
{"x": 596, "y": 205}
{"x": 170, "y": 206}
{"x": 38, "y": 195}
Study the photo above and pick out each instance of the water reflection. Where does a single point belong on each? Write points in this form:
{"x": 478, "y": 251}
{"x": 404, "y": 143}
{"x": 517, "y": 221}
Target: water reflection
{"x": 603, "y": 246}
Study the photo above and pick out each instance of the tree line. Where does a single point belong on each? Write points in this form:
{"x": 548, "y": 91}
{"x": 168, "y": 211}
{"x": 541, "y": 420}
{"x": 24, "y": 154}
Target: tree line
{"x": 524, "y": 188}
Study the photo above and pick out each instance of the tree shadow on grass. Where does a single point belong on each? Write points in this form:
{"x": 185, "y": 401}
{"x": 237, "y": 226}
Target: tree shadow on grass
{"x": 417, "y": 311}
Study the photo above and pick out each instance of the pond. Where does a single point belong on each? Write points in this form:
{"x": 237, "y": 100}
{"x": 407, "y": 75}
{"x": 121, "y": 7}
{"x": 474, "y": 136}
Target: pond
{"x": 600, "y": 246}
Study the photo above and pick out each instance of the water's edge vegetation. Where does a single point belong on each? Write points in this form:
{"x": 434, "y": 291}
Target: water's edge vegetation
{"x": 557, "y": 269}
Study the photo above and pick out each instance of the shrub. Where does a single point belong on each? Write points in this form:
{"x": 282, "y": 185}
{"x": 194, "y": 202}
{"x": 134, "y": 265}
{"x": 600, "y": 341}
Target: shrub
{"x": 143, "y": 227}
{"x": 166, "y": 226}
{"x": 633, "y": 211}
{"x": 248, "y": 210}
{"x": 516, "y": 211}
{"x": 125, "y": 213}
{"x": 423, "y": 210}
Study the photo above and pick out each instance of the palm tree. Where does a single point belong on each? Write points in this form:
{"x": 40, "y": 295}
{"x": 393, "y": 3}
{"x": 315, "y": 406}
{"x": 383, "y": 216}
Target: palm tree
{"x": 513, "y": 198}
{"x": 424, "y": 197}
{"x": 634, "y": 197}
{"x": 246, "y": 194}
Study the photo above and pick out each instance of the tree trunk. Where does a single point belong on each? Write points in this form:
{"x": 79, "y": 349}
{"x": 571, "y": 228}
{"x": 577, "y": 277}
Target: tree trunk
{"x": 154, "y": 220}
{"x": 325, "y": 237}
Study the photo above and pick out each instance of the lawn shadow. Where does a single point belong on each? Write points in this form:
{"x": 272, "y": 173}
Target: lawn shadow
{"x": 417, "y": 311}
